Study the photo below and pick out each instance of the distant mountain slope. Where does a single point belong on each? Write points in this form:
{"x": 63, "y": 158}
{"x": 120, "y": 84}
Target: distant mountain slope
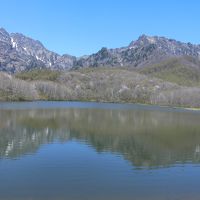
{"x": 19, "y": 53}
{"x": 181, "y": 70}
{"x": 11, "y": 60}
{"x": 28, "y": 46}
{"x": 144, "y": 51}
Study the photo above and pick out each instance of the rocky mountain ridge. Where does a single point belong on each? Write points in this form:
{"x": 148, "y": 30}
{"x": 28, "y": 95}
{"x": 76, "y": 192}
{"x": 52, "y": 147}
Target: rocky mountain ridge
{"x": 19, "y": 53}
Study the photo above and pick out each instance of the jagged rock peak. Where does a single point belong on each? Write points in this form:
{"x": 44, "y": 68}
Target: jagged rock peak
{"x": 4, "y": 36}
{"x": 24, "y": 40}
{"x": 19, "y": 52}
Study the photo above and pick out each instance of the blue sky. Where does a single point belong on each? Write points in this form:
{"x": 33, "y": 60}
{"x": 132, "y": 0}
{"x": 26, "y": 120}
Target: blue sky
{"x": 81, "y": 27}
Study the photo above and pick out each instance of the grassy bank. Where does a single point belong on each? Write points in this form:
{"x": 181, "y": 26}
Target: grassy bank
{"x": 100, "y": 85}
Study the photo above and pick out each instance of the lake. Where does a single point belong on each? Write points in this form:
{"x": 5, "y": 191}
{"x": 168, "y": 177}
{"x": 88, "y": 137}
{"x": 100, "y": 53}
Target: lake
{"x": 98, "y": 151}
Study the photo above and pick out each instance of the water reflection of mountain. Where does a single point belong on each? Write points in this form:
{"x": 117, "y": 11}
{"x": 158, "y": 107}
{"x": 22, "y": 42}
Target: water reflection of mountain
{"x": 146, "y": 138}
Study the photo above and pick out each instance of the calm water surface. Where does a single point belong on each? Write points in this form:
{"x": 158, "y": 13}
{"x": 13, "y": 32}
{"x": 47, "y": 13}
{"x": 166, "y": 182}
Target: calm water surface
{"x": 94, "y": 151}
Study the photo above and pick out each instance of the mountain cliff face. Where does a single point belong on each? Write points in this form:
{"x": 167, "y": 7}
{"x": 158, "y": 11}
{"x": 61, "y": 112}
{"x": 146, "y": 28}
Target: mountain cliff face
{"x": 10, "y": 59}
{"x": 28, "y": 46}
{"x": 144, "y": 51}
{"x": 19, "y": 53}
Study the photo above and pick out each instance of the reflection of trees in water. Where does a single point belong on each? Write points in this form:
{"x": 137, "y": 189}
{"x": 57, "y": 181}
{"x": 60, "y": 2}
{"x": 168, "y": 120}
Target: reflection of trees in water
{"x": 27, "y": 140}
{"x": 146, "y": 138}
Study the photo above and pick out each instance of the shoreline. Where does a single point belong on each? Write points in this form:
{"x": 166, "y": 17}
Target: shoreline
{"x": 107, "y": 104}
